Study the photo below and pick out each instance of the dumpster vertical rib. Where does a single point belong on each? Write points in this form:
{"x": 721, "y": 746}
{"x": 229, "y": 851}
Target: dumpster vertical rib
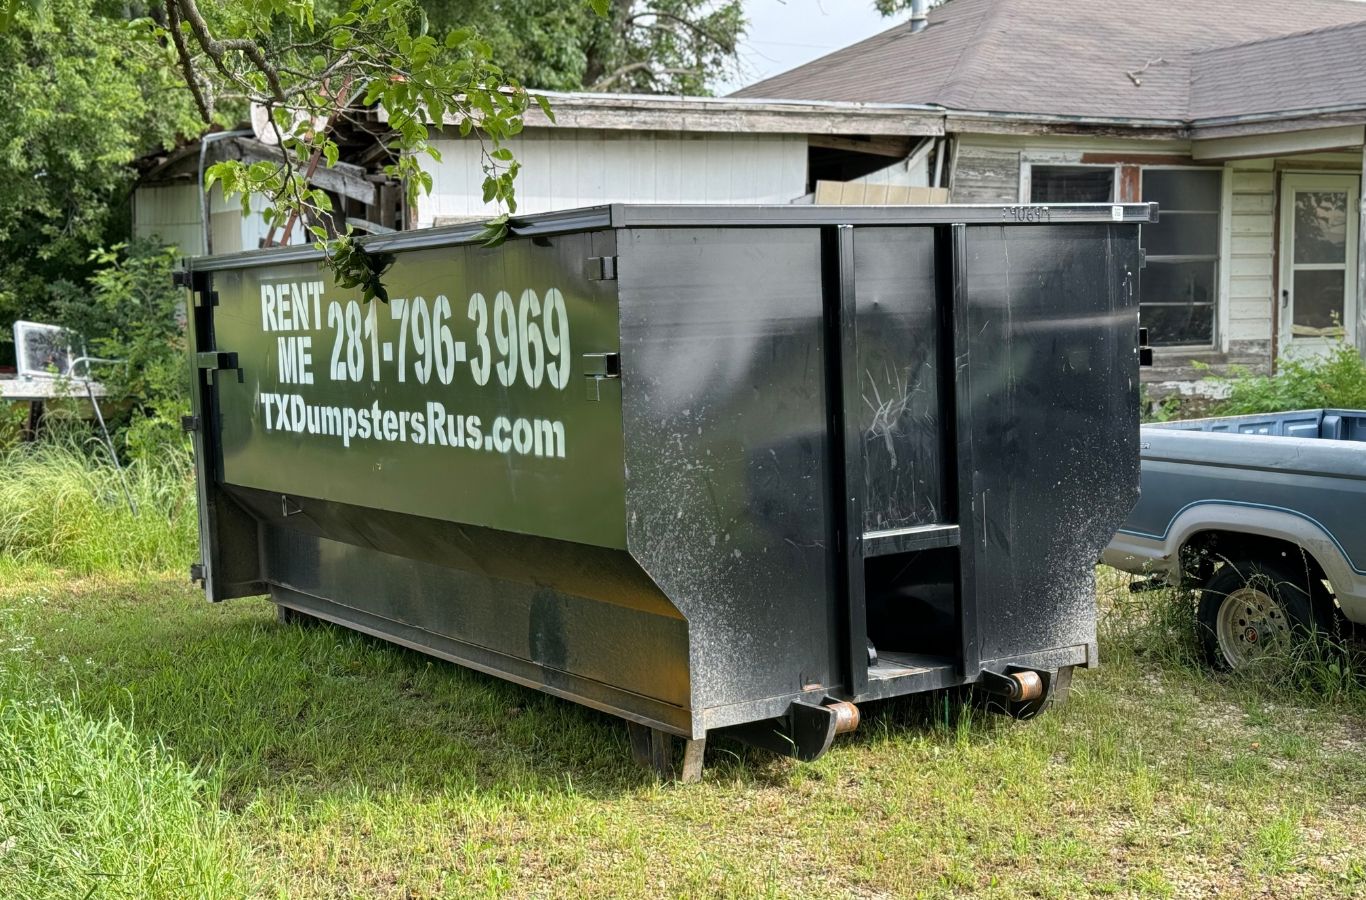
{"x": 846, "y": 451}
{"x": 955, "y": 293}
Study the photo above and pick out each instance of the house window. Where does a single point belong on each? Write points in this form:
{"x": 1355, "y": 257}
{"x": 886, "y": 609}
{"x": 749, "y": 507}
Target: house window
{"x": 1181, "y": 281}
{"x": 1071, "y": 184}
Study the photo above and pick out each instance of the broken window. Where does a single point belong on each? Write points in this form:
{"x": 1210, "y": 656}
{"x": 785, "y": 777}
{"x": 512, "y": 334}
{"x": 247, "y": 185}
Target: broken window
{"x": 1179, "y": 287}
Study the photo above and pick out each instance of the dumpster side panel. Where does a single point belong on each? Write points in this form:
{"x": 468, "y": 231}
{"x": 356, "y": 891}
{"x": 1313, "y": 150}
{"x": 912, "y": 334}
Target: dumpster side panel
{"x": 899, "y": 373}
{"x": 462, "y": 398}
{"x": 1047, "y": 426}
{"x": 724, "y": 413}
{"x": 630, "y": 661}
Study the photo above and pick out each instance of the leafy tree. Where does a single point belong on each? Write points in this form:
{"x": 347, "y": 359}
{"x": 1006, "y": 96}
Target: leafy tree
{"x": 667, "y": 46}
{"x": 306, "y": 66}
{"x": 84, "y": 96}
{"x": 131, "y": 312}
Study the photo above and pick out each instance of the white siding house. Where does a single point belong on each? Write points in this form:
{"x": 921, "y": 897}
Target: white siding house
{"x": 564, "y": 168}
{"x": 605, "y": 148}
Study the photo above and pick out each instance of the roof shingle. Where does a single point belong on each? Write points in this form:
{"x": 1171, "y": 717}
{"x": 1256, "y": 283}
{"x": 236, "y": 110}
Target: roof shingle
{"x": 1093, "y": 58}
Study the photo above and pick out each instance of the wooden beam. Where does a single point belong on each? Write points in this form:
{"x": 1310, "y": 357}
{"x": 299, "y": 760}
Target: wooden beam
{"x": 1130, "y": 184}
{"x": 344, "y": 178}
{"x": 967, "y": 123}
{"x": 897, "y": 147}
{"x": 1142, "y": 159}
{"x": 617, "y": 112}
{"x": 1203, "y": 132}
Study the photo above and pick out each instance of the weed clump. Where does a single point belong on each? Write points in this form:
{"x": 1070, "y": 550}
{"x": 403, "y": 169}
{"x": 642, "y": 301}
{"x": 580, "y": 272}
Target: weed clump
{"x": 91, "y": 811}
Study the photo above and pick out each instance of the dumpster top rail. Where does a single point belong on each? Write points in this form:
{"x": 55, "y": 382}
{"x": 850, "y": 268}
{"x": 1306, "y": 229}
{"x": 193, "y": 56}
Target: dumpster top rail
{"x": 622, "y": 215}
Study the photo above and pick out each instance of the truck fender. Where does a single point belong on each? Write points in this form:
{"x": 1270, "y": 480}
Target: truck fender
{"x": 1264, "y": 521}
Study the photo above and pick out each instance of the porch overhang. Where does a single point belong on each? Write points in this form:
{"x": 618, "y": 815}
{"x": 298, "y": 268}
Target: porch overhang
{"x": 1284, "y": 142}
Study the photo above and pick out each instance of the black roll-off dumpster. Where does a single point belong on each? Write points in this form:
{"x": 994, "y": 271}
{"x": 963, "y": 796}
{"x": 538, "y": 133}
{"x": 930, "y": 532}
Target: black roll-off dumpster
{"x": 705, "y": 468}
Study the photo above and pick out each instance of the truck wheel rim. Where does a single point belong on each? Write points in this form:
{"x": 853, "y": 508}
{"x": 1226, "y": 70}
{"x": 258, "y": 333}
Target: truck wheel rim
{"x": 1251, "y": 626}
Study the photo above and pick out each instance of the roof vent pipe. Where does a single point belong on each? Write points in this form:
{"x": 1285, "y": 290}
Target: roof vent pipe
{"x": 920, "y": 15}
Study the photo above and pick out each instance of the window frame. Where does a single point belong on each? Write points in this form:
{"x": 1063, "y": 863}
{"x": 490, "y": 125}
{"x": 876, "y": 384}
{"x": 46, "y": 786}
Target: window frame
{"x": 1216, "y": 303}
{"x": 1027, "y": 167}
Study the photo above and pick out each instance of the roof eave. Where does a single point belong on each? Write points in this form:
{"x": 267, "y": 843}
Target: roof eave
{"x": 644, "y": 112}
{"x": 1278, "y": 122}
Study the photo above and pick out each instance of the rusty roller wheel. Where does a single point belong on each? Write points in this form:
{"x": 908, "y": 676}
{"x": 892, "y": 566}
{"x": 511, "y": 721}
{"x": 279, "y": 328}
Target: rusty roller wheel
{"x": 1029, "y": 686}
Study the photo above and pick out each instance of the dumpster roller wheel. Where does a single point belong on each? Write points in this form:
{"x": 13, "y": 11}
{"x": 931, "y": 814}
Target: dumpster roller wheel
{"x": 1025, "y": 693}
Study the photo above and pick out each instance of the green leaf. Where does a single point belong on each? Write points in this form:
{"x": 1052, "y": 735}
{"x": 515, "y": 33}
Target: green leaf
{"x": 544, "y": 104}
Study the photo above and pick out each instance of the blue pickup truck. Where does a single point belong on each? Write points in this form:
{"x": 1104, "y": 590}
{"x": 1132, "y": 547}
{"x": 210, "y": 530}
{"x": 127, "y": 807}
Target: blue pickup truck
{"x": 1265, "y": 515}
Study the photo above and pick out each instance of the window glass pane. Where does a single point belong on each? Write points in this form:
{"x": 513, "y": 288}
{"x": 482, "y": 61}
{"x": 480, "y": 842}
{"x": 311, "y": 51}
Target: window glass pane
{"x": 1182, "y": 189}
{"x": 1177, "y": 282}
{"x": 1169, "y": 325}
{"x": 1185, "y": 292}
{"x": 1320, "y": 226}
{"x": 1071, "y": 184}
{"x": 1183, "y": 234}
{"x": 1319, "y": 299}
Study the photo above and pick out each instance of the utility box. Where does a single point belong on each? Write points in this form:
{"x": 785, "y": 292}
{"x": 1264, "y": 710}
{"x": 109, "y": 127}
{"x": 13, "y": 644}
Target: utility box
{"x": 705, "y": 468}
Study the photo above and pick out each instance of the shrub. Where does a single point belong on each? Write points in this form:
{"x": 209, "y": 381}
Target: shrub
{"x": 1337, "y": 379}
{"x": 129, "y": 310}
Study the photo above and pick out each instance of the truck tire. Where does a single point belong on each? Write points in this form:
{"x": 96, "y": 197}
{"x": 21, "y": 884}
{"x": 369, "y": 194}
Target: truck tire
{"x": 1252, "y": 610}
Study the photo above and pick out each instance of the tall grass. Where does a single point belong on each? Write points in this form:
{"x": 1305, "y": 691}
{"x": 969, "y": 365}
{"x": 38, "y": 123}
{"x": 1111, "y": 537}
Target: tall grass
{"x": 1160, "y": 626}
{"x": 90, "y": 810}
{"x": 62, "y": 504}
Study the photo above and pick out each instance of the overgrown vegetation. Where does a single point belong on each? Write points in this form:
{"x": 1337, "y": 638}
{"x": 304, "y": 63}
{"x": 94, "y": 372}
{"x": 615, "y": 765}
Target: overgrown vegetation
{"x": 1159, "y": 625}
{"x": 329, "y": 764}
{"x": 132, "y": 313}
{"x": 1336, "y": 379}
{"x": 91, "y": 808}
{"x": 63, "y": 505}
{"x": 84, "y": 97}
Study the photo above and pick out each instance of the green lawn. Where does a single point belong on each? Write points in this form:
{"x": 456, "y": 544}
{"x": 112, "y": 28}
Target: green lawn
{"x": 152, "y": 745}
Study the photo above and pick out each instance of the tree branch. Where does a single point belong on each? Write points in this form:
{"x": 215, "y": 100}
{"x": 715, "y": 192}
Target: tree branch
{"x": 611, "y": 78}
{"x": 216, "y": 49}
{"x": 187, "y": 64}
{"x": 630, "y": 21}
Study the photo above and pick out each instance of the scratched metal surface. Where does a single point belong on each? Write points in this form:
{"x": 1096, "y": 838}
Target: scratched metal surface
{"x": 723, "y": 402}
{"x": 716, "y": 478}
{"x": 1048, "y": 424}
{"x": 899, "y": 373}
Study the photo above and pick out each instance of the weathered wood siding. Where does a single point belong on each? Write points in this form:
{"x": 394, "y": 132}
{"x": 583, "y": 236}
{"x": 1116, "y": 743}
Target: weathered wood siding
{"x": 170, "y": 214}
{"x": 564, "y": 168}
{"x": 985, "y": 174}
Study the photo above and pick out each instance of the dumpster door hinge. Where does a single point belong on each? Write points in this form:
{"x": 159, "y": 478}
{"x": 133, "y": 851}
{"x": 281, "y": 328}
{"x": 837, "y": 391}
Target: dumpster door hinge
{"x": 602, "y": 268}
{"x": 189, "y": 424}
{"x": 597, "y": 368}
